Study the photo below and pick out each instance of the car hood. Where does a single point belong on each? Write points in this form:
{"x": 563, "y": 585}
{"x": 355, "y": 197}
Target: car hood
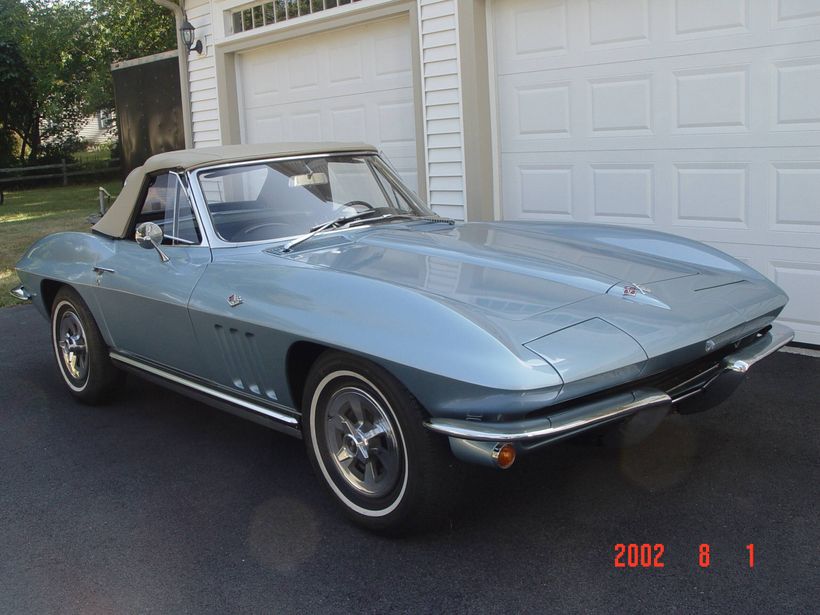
{"x": 506, "y": 271}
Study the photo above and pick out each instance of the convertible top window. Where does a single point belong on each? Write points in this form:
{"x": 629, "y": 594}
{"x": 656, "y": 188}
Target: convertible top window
{"x": 286, "y": 198}
{"x": 166, "y": 204}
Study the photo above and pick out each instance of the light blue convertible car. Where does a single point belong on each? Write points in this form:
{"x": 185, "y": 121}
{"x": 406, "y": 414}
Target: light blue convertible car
{"x": 305, "y": 287}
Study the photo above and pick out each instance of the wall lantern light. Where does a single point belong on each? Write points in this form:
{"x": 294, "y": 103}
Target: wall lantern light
{"x": 187, "y": 31}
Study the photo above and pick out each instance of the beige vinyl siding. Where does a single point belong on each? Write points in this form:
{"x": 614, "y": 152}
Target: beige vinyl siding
{"x": 442, "y": 107}
{"x": 202, "y": 74}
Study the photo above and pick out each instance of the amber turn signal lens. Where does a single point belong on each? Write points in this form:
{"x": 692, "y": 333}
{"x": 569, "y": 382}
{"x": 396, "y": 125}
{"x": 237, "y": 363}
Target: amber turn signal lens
{"x": 504, "y": 455}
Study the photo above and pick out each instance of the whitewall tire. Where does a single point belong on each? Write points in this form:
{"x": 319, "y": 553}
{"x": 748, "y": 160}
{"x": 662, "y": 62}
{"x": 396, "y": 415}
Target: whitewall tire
{"x": 79, "y": 349}
{"x": 364, "y": 435}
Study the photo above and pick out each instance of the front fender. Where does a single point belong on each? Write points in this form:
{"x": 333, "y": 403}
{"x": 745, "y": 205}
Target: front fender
{"x": 428, "y": 345}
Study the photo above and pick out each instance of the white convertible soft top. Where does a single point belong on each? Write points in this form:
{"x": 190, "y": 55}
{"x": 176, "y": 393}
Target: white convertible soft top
{"x": 116, "y": 220}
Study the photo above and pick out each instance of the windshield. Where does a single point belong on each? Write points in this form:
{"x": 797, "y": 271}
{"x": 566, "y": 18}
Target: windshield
{"x": 278, "y": 199}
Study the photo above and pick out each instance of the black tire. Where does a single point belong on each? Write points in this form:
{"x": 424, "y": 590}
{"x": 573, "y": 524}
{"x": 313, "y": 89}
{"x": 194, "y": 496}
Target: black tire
{"x": 80, "y": 351}
{"x": 402, "y": 495}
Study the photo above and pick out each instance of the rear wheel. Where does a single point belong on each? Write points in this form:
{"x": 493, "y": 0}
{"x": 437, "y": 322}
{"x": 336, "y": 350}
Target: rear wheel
{"x": 364, "y": 435}
{"x": 79, "y": 349}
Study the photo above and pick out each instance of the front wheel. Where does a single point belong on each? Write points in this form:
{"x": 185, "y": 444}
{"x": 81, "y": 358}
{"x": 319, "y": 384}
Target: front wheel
{"x": 80, "y": 351}
{"x": 364, "y": 435}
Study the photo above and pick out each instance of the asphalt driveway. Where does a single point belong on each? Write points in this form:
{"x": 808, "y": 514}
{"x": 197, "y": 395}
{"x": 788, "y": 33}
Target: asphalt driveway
{"x": 157, "y": 504}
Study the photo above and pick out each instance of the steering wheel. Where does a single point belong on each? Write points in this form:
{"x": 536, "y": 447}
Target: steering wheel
{"x": 356, "y": 202}
{"x": 252, "y": 232}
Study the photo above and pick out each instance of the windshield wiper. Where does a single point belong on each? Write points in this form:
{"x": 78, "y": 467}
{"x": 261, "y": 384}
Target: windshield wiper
{"x": 336, "y": 222}
{"x": 362, "y": 217}
{"x": 449, "y": 221}
{"x": 414, "y": 217}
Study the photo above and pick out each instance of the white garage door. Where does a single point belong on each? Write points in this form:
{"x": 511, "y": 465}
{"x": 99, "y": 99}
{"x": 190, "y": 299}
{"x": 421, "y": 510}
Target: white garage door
{"x": 697, "y": 117}
{"x": 348, "y": 84}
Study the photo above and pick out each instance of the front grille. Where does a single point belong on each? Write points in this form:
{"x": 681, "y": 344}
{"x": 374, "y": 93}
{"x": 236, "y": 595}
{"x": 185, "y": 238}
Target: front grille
{"x": 680, "y": 379}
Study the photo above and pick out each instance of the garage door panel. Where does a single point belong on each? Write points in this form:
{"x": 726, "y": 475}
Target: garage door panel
{"x": 800, "y": 278}
{"x": 791, "y": 13}
{"x": 697, "y": 18}
{"x": 307, "y": 125}
{"x": 388, "y": 122}
{"x": 306, "y": 72}
{"x": 348, "y": 123}
{"x": 520, "y": 144}
{"x": 346, "y": 63}
{"x": 260, "y": 91}
{"x": 338, "y": 63}
{"x": 616, "y": 22}
{"x": 795, "y": 192}
{"x": 546, "y": 34}
{"x": 621, "y": 104}
{"x": 759, "y": 196}
{"x": 710, "y": 99}
{"x": 538, "y": 190}
{"x": 715, "y": 195}
{"x": 396, "y": 122}
{"x": 538, "y": 111}
{"x": 272, "y": 126}
{"x": 351, "y": 84}
{"x": 753, "y": 97}
{"x": 623, "y": 193}
{"x": 537, "y": 28}
{"x": 796, "y": 104}
{"x": 392, "y": 64}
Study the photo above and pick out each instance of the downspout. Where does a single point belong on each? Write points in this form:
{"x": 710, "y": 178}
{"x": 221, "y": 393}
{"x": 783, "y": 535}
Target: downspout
{"x": 184, "y": 83}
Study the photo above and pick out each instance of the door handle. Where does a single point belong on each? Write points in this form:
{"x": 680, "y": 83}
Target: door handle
{"x": 98, "y": 269}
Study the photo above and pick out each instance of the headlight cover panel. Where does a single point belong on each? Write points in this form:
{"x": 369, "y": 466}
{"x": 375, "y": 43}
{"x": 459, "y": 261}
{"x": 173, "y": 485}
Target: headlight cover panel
{"x": 593, "y": 351}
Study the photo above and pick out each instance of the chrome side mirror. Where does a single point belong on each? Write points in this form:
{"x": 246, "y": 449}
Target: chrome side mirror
{"x": 149, "y": 235}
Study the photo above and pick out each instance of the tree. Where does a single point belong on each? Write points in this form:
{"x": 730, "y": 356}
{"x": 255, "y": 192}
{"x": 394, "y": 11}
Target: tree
{"x": 16, "y": 112}
{"x": 55, "y": 63}
{"x": 53, "y": 40}
{"x": 57, "y": 45}
{"x": 15, "y": 82}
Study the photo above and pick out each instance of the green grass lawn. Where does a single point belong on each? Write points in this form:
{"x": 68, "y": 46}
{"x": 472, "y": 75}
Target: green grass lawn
{"x": 27, "y": 215}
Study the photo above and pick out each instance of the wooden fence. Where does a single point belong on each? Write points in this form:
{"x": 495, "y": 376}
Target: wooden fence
{"x": 61, "y": 171}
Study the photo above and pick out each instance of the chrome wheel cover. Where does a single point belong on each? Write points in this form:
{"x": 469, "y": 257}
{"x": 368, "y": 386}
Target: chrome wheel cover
{"x": 71, "y": 341}
{"x": 361, "y": 442}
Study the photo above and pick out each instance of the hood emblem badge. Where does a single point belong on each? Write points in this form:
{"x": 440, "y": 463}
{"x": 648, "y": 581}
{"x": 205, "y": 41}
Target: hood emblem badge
{"x": 710, "y": 345}
{"x": 631, "y": 290}
{"x": 234, "y": 300}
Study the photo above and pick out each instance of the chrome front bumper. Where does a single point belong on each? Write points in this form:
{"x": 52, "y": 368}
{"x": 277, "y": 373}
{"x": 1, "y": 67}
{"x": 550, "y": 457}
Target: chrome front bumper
{"x": 531, "y": 433}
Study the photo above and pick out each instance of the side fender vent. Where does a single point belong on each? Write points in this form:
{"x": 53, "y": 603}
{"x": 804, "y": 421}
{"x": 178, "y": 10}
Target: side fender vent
{"x": 244, "y": 361}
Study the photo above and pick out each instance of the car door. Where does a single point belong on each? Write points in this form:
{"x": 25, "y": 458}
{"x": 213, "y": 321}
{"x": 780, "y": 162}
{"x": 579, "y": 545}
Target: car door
{"x": 144, "y": 298}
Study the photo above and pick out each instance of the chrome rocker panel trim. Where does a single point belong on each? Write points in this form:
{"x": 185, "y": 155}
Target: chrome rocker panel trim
{"x": 590, "y": 414}
{"x": 279, "y": 417}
